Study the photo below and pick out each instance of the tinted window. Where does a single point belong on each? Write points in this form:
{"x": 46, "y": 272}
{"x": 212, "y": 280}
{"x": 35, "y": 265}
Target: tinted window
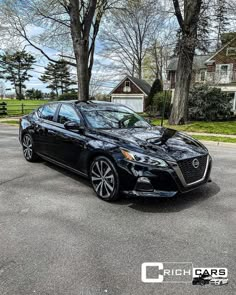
{"x": 113, "y": 117}
{"x": 67, "y": 113}
{"x": 47, "y": 112}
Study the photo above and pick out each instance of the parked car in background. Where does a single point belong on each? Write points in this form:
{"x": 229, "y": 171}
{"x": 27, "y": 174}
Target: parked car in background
{"x": 115, "y": 148}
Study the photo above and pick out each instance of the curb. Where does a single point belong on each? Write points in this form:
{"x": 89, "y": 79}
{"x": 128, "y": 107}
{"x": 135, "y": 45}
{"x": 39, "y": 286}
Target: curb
{"x": 211, "y": 134}
{"x": 218, "y": 143}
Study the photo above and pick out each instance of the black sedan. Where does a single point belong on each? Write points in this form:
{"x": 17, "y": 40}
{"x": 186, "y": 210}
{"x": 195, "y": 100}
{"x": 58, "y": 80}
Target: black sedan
{"x": 115, "y": 148}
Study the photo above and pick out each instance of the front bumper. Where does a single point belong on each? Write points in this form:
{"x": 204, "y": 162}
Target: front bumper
{"x": 164, "y": 182}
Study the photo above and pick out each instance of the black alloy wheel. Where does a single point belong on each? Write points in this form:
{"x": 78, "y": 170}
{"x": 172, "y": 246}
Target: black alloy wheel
{"x": 104, "y": 179}
{"x": 28, "y": 148}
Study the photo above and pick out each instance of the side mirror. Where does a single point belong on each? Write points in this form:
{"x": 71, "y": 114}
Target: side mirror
{"x": 72, "y": 125}
{"x": 148, "y": 120}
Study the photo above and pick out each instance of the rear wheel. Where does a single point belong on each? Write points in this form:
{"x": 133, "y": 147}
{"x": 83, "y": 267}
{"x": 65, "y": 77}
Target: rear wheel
{"x": 28, "y": 148}
{"x": 104, "y": 179}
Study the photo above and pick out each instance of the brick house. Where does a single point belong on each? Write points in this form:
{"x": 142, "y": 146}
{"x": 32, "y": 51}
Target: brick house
{"x": 132, "y": 92}
{"x": 217, "y": 69}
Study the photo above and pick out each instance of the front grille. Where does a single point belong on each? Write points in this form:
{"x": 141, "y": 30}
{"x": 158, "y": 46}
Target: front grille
{"x": 190, "y": 173}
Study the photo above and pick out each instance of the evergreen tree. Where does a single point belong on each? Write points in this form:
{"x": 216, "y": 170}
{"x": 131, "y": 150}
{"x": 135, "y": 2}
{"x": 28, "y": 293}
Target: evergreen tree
{"x": 156, "y": 88}
{"x": 203, "y": 42}
{"x": 221, "y": 20}
{"x": 15, "y": 67}
{"x": 34, "y": 94}
{"x": 58, "y": 77}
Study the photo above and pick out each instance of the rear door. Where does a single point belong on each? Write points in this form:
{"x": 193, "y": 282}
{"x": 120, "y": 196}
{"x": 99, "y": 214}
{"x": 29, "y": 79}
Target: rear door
{"x": 44, "y": 129}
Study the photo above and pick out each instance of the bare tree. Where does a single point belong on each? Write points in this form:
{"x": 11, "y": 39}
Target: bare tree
{"x": 157, "y": 56}
{"x": 128, "y": 33}
{"x": 188, "y": 22}
{"x": 79, "y": 19}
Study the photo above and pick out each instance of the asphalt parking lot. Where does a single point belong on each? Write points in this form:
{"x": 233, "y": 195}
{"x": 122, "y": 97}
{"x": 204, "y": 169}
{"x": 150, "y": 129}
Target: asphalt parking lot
{"x": 57, "y": 237}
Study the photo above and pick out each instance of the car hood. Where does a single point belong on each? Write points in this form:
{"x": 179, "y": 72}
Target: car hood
{"x": 158, "y": 141}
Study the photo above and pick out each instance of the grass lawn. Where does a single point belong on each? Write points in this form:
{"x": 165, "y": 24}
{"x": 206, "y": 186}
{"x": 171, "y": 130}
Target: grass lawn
{"x": 227, "y": 127}
{"x": 14, "y": 106}
{"x": 215, "y": 138}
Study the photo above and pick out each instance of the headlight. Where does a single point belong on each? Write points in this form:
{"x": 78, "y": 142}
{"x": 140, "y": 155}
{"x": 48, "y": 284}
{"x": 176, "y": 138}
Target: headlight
{"x": 141, "y": 158}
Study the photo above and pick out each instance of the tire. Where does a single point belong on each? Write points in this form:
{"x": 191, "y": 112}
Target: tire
{"x": 104, "y": 179}
{"x": 28, "y": 148}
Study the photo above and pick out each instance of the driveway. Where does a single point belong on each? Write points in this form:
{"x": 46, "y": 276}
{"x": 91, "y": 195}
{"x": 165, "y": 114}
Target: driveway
{"x": 58, "y": 238}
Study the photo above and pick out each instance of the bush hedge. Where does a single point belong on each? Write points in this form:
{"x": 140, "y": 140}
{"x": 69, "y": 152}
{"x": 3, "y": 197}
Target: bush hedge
{"x": 209, "y": 104}
{"x": 158, "y": 103}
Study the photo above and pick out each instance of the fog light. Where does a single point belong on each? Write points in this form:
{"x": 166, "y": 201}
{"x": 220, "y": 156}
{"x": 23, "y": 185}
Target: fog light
{"x": 143, "y": 184}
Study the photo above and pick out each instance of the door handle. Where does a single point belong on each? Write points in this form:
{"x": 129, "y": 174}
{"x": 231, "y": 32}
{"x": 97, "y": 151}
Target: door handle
{"x": 52, "y": 132}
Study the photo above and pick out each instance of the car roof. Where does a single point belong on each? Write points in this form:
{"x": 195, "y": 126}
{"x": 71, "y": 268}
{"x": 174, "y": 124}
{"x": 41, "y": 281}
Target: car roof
{"x": 96, "y": 103}
{"x": 88, "y": 102}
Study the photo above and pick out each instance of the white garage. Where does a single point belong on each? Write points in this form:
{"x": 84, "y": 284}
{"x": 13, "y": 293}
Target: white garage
{"x": 133, "y": 102}
{"x": 131, "y": 92}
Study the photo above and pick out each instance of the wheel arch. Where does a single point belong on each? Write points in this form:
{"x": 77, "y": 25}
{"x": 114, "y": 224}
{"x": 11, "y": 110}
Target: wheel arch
{"x": 99, "y": 154}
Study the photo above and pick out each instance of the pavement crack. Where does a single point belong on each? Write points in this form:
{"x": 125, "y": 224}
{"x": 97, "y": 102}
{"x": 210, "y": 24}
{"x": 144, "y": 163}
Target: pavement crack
{"x": 12, "y": 179}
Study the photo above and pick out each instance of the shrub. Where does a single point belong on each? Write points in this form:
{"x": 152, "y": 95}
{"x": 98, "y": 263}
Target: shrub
{"x": 68, "y": 96}
{"x": 156, "y": 88}
{"x": 209, "y": 104}
{"x": 158, "y": 102}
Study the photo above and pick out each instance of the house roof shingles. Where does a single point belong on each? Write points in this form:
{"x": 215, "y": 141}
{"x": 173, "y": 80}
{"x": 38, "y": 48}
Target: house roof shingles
{"x": 142, "y": 84}
{"x": 198, "y": 62}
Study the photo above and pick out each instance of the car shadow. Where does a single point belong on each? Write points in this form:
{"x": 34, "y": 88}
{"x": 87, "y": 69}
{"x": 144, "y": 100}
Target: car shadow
{"x": 68, "y": 173}
{"x": 153, "y": 205}
{"x": 175, "y": 204}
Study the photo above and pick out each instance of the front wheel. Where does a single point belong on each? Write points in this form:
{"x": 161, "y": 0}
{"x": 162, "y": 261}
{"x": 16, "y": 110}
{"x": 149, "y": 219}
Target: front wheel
{"x": 104, "y": 179}
{"x": 28, "y": 148}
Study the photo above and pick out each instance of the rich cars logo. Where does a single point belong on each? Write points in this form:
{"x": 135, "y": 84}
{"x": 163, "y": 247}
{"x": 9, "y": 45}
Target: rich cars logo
{"x": 182, "y": 272}
{"x": 195, "y": 163}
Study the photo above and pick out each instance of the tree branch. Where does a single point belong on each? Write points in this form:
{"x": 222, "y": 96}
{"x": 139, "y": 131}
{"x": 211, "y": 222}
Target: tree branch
{"x": 178, "y": 13}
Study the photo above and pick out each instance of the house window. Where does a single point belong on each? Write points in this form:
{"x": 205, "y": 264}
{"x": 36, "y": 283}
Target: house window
{"x": 224, "y": 70}
{"x": 231, "y": 51}
{"x": 127, "y": 83}
{"x": 202, "y": 76}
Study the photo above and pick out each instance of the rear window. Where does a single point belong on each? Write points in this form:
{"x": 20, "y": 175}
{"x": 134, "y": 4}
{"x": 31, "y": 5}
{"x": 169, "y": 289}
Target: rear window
{"x": 47, "y": 112}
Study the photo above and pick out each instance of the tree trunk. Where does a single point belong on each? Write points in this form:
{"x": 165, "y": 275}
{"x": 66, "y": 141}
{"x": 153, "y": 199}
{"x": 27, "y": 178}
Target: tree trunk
{"x": 80, "y": 45}
{"x": 187, "y": 45}
{"x": 83, "y": 73}
{"x": 140, "y": 69}
{"x": 179, "y": 113}
{"x": 81, "y": 54}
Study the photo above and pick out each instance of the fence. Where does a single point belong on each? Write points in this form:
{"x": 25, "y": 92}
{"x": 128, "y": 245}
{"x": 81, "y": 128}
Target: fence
{"x": 3, "y": 109}
{"x": 12, "y": 109}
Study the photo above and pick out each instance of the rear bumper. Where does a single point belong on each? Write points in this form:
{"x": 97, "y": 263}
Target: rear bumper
{"x": 164, "y": 182}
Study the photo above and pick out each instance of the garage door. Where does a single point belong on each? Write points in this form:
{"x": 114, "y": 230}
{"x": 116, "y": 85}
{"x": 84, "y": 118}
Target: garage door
{"x": 135, "y": 103}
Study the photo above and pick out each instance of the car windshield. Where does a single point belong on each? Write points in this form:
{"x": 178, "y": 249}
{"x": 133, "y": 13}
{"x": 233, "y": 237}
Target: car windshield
{"x": 107, "y": 117}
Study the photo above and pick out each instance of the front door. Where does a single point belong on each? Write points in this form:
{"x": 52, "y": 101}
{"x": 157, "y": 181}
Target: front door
{"x": 68, "y": 143}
